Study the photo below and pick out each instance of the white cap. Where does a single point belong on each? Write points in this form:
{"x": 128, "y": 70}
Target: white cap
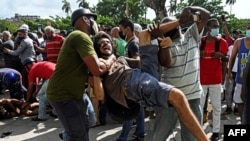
{"x": 137, "y": 27}
{"x": 24, "y": 27}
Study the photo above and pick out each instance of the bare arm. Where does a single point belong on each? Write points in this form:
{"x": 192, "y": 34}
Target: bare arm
{"x": 145, "y": 37}
{"x": 29, "y": 91}
{"x": 232, "y": 59}
{"x": 39, "y": 49}
{"x": 14, "y": 110}
{"x": 133, "y": 63}
{"x": 95, "y": 66}
{"x": 188, "y": 11}
{"x": 227, "y": 34}
{"x": 164, "y": 53}
{"x": 244, "y": 78}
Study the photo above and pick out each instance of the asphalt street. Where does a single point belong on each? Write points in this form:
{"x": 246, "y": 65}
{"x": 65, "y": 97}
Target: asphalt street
{"x": 23, "y": 129}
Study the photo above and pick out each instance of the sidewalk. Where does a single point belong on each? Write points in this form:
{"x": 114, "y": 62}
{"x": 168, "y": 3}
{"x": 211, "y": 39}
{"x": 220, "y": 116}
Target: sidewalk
{"x": 23, "y": 129}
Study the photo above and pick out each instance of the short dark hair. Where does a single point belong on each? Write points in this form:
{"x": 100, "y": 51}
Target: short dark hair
{"x": 211, "y": 20}
{"x": 127, "y": 23}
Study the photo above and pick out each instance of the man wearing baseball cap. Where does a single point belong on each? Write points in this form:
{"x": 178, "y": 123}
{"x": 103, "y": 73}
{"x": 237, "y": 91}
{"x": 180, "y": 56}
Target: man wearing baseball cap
{"x": 76, "y": 59}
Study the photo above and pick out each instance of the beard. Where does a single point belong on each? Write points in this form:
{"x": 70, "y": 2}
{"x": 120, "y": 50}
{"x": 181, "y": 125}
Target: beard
{"x": 106, "y": 54}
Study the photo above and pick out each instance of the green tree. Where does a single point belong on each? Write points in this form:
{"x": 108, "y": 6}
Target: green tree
{"x": 158, "y": 6}
{"x": 66, "y": 7}
{"x": 214, "y": 6}
{"x": 116, "y": 9}
{"x": 83, "y": 3}
{"x": 5, "y": 24}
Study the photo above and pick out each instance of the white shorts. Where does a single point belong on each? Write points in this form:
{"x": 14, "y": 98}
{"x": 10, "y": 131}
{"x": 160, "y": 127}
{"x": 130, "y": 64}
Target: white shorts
{"x": 237, "y": 93}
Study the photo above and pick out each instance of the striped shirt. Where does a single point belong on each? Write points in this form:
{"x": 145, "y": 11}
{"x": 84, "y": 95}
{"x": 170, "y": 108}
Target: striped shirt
{"x": 184, "y": 72}
{"x": 53, "y": 48}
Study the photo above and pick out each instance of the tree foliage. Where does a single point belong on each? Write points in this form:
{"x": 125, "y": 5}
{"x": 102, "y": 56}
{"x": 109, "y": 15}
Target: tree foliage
{"x": 66, "y": 7}
{"x": 214, "y": 6}
{"x": 231, "y": 2}
{"x": 158, "y": 6}
{"x": 110, "y": 12}
{"x": 7, "y": 25}
{"x": 83, "y": 3}
{"x": 116, "y": 9}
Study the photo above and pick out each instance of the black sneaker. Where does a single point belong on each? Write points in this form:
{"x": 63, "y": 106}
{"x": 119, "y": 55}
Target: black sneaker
{"x": 236, "y": 111}
{"x": 53, "y": 115}
{"x": 137, "y": 139}
{"x": 37, "y": 119}
{"x": 61, "y": 136}
{"x": 215, "y": 137}
{"x": 228, "y": 111}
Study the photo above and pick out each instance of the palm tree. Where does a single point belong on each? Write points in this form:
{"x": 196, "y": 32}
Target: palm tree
{"x": 66, "y": 7}
{"x": 231, "y": 2}
{"x": 83, "y": 3}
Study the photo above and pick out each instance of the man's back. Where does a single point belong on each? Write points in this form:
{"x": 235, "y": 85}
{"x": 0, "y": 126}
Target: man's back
{"x": 120, "y": 46}
{"x": 42, "y": 69}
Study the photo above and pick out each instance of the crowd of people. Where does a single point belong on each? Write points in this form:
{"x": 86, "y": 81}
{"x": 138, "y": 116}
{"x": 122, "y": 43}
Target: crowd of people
{"x": 162, "y": 69}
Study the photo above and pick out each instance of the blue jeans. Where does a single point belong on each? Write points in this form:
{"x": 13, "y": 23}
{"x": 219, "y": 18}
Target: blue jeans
{"x": 166, "y": 119}
{"x": 73, "y": 117}
{"x": 90, "y": 110}
{"x": 149, "y": 60}
{"x": 90, "y": 113}
{"x": 126, "y": 127}
{"x": 42, "y": 101}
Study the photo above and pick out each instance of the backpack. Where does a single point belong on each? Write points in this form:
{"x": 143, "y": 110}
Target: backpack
{"x": 203, "y": 43}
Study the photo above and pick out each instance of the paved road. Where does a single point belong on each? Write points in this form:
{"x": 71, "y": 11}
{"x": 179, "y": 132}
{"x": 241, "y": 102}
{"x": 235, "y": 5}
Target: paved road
{"x": 23, "y": 129}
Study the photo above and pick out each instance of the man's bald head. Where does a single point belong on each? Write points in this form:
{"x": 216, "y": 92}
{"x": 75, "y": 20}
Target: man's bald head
{"x": 115, "y": 32}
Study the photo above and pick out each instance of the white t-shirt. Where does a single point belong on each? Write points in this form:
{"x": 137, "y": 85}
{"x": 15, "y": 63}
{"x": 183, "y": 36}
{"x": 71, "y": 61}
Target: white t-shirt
{"x": 230, "y": 48}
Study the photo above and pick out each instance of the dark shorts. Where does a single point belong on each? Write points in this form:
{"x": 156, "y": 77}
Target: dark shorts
{"x": 146, "y": 89}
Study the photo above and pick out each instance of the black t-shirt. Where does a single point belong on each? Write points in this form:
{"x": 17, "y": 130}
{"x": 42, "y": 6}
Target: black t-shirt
{"x": 132, "y": 48}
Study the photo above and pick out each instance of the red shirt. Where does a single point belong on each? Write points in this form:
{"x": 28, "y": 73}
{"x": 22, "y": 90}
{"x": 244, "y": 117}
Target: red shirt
{"x": 41, "y": 70}
{"x": 211, "y": 68}
{"x": 230, "y": 40}
{"x": 53, "y": 47}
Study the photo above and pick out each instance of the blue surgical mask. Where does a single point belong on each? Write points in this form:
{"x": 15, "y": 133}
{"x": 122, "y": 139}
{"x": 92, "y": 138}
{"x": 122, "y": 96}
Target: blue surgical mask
{"x": 214, "y": 32}
{"x": 248, "y": 33}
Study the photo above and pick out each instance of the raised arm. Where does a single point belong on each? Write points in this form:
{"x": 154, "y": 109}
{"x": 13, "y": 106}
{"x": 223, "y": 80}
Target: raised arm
{"x": 201, "y": 16}
{"x": 145, "y": 36}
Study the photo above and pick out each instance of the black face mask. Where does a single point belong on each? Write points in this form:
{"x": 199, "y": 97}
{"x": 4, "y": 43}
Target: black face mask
{"x": 173, "y": 34}
{"x": 93, "y": 26}
{"x": 121, "y": 35}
